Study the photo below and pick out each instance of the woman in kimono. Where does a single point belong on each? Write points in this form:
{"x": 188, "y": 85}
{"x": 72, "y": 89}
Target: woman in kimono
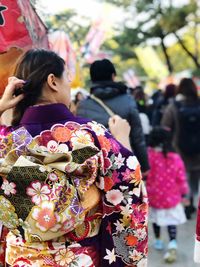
{"x": 71, "y": 194}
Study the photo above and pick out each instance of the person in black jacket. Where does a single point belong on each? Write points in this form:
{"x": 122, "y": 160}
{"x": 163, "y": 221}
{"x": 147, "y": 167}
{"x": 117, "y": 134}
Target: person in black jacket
{"x": 114, "y": 95}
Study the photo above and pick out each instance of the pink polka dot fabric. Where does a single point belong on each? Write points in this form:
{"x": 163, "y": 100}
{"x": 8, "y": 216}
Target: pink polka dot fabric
{"x": 166, "y": 181}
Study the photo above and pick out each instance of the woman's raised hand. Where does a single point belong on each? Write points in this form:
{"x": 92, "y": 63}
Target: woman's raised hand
{"x": 8, "y": 99}
{"x": 120, "y": 129}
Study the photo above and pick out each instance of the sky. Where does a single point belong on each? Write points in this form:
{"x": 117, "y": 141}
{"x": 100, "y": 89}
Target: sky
{"x": 89, "y": 8}
{"x": 95, "y": 9}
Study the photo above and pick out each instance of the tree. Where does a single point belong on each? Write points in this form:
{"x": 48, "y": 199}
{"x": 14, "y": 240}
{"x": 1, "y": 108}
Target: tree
{"x": 67, "y": 22}
{"x": 157, "y": 19}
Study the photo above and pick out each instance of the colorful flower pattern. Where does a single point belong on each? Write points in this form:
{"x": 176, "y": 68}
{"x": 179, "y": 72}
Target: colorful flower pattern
{"x": 8, "y": 188}
{"x": 114, "y": 170}
{"x": 38, "y": 192}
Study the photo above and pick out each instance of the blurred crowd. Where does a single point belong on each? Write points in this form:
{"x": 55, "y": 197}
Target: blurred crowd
{"x": 165, "y": 131}
{"x": 79, "y": 192}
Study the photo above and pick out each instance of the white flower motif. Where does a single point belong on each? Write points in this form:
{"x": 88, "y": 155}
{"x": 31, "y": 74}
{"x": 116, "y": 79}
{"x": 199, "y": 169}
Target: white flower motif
{"x": 114, "y": 196}
{"x": 5, "y": 202}
{"x": 126, "y": 211}
{"x": 97, "y": 128}
{"x": 84, "y": 260}
{"x": 119, "y": 226}
{"x": 137, "y": 191}
{"x": 142, "y": 263}
{"x": 110, "y": 256}
{"x": 141, "y": 233}
{"x": 42, "y": 169}
{"x": 119, "y": 161}
{"x": 135, "y": 255}
{"x": 132, "y": 162}
{"x": 38, "y": 192}
{"x": 52, "y": 146}
{"x": 123, "y": 188}
{"x": 8, "y": 188}
{"x": 80, "y": 139}
{"x": 62, "y": 148}
{"x": 101, "y": 183}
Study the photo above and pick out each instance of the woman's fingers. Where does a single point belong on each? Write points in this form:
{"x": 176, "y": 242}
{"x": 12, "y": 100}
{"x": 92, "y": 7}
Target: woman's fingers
{"x": 17, "y": 99}
{"x": 13, "y": 83}
{"x": 114, "y": 119}
{"x": 8, "y": 99}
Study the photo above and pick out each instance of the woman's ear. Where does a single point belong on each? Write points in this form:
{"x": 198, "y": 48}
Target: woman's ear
{"x": 52, "y": 82}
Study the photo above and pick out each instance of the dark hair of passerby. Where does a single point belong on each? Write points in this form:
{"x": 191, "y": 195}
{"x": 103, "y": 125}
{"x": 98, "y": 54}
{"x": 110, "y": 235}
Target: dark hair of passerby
{"x": 161, "y": 137}
{"x": 102, "y": 70}
{"x": 140, "y": 98}
{"x": 188, "y": 89}
{"x": 170, "y": 91}
{"x": 78, "y": 97}
{"x": 34, "y": 67}
{"x": 139, "y": 95}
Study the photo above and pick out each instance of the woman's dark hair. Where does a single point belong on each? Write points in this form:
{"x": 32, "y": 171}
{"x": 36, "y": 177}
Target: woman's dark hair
{"x": 34, "y": 67}
{"x": 188, "y": 88}
{"x": 170, "y": 91}
{"x": 161, "y": 137}
{"x": 102, "y": 70}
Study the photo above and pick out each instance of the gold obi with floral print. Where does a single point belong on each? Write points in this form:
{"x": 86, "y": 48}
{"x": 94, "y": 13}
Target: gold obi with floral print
{"x": 46, "y": 194}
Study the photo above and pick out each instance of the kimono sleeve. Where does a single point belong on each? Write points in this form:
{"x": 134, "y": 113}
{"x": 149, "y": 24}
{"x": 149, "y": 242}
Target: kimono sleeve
{"x": 124, "y": 223}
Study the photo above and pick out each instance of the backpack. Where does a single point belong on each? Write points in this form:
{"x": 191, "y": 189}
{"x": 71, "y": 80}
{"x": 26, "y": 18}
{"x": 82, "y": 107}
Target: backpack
{"x": 189, "y": 128}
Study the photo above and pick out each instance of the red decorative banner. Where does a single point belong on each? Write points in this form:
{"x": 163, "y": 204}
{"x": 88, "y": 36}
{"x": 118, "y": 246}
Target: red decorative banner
{"x": 20, "y": 26}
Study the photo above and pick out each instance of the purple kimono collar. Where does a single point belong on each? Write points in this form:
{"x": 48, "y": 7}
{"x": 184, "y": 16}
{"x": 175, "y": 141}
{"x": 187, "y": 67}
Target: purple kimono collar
{"x": 46, "y": 114}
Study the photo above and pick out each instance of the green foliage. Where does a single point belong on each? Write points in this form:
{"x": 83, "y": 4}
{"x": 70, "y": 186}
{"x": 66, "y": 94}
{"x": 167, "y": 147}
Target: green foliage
{"x": 67, "y": 22}
{"x": 124, "y": 3}
{"x": 158, "y": 19}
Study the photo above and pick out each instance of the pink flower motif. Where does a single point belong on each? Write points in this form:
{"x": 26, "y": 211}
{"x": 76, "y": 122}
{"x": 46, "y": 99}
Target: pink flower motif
{"x": 2, "y": 147}
{"x": 38, "y": 192}
{"x": 139, "y": 213}
{"x": 115, "y": 146}
{"x": 126, "y": 176}
{"x": 45, "y": 137}
{"x": 72, "y": 125}
{"x": 53, "y": 176}
{"x": 143, "y": 245}
{"x": 45, "y": 217}
{"x": 22, "y": 262}
{"x": 8, "y": 188}
{"x": 114, "y": 196}
{"x": 115, "y": 177}
{"x": 4, "y": 131}
{"x": 106, "y": 161}
{"x": 68, "y": 225}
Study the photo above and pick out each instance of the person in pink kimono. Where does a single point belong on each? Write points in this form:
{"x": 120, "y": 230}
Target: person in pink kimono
{"x": 167, "y": 188}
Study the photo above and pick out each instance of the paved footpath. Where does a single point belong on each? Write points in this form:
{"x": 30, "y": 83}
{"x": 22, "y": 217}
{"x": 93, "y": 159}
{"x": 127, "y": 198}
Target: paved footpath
{"x": 185, "y": 238}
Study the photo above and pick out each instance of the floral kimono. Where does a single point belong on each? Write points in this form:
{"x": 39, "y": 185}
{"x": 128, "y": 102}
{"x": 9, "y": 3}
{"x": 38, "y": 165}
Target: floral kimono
{"x": 70, "y": 194}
